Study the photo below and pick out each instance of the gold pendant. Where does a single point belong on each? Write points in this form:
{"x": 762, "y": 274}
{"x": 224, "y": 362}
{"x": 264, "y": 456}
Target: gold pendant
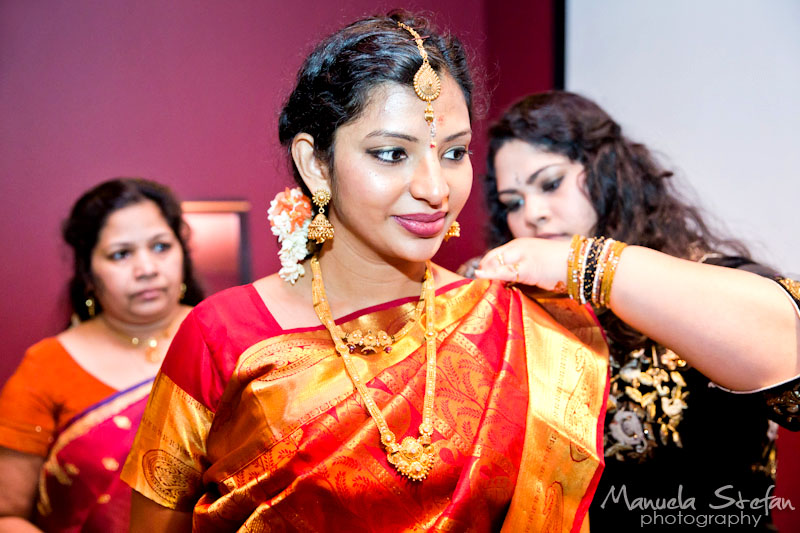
{"x": 427, "y": 84}
{"x": 411, "y": 458}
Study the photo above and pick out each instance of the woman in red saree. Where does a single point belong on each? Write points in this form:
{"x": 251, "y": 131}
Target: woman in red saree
{"x": 70, "y": 411}
{"x": 467, "y": 407}
{"x": 259, "y": 425}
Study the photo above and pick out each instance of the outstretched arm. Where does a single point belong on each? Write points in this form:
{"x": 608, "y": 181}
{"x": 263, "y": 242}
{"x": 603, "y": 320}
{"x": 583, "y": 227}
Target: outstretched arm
{"x": 737, "y": 328}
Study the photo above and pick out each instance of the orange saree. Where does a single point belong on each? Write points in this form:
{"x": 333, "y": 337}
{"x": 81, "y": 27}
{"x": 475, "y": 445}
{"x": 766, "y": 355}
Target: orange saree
{"x": 254, "y": 428}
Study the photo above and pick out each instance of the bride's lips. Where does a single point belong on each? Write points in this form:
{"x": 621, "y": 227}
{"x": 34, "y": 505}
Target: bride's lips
{"x": 422, "y": 224}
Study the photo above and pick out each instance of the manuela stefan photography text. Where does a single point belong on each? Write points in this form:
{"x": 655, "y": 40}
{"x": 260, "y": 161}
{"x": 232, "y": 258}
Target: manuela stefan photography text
{"x": 728, "y": 507}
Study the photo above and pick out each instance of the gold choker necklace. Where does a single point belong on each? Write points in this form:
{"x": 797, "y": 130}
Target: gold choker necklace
{"x": 150, "y": 344}
{"x": 370, "y": 342}
{"x": 413, "y": 457}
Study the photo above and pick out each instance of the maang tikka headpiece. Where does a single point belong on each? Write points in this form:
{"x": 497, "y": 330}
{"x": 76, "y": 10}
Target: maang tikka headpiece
{"x": 427, "y": 84}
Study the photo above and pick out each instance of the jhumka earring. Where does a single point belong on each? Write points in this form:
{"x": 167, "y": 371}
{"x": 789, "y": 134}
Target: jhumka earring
{"x": 427, "y": 84}
{"x": 182, "y": 293}
{"x": 91, "y": 308}
{"x": 320, "y": 229}
{"x": 453, "y": 231}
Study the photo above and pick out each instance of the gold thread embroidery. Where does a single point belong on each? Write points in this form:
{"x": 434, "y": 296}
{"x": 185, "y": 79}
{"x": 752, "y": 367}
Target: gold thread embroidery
{"x": 168, "y": 476}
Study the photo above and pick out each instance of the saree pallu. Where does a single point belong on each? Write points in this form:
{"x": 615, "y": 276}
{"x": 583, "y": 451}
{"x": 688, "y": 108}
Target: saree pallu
{"x": 268, "y": 434}
{"x": 79, "y": 485}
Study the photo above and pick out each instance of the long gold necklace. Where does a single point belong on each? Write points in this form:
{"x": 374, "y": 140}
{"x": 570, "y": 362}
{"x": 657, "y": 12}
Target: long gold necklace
{"x": 150, "y": 344}
{"x": 413, "y": 457}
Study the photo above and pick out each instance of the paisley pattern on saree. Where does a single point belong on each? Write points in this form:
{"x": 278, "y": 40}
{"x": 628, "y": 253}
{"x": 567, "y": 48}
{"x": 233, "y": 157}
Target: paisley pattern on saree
{"x": 554, "y": 509}
{"x": 567, "y": 394}
{"x": 168, "y": 476}
{"x": 167, "y": 456}
{"x": 581, "y": 403}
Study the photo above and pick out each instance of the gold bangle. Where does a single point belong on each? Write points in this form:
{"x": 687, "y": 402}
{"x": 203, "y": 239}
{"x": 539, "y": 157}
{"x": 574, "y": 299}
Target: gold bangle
{"x": 609, "y": 271}
{"x": 573, "y": 250}
{"x": 573, "y": 269}
{"x": 602, "y": 261}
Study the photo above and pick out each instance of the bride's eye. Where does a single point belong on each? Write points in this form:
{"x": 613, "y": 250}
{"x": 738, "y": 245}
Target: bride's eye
{"x": 458, "y": 153}
{"x": 389, "y": 155}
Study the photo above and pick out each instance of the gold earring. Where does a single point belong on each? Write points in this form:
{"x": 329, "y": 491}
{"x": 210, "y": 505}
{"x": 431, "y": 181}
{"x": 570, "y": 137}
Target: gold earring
{"x": 320, "y": 229}
{"x": 90, "y": 306}
{"x": 453, "y": 231}
{"x": 183, "y": 292}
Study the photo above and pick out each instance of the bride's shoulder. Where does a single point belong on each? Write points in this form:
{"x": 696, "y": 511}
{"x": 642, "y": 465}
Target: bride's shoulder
{"x": 444, "y": 276}
{"x": 289, "y": 303}
{"x": 275, "y": 291}
{"x": 269, "y": 284}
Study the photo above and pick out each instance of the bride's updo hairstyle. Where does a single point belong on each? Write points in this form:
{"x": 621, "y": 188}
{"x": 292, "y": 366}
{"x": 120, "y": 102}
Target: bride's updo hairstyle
{"x": 335, "y": 82}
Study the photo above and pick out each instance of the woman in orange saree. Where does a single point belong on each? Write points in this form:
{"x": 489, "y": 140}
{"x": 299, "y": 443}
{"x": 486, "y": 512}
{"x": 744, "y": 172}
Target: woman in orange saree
{"x": 69, "y": 413}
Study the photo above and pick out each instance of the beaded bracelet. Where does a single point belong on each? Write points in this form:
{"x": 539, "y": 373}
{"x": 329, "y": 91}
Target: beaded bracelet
{"x": 590, "y": 269}
{"x": 591, "y": 266}
{"x": 580, "y": 247}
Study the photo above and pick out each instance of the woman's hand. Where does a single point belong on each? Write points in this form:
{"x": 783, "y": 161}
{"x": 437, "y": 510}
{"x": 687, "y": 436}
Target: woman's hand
{"x": 536, "y": 262}
{"x": 19, "y": 473}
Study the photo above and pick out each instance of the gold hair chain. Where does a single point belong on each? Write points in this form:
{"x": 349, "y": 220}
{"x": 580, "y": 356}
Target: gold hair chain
{"x": 427, "y": 84}
{"x": 413, "y": 457}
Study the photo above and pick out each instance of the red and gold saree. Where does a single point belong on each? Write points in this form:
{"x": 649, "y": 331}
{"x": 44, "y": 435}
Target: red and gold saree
{"x": 255, "y": 428}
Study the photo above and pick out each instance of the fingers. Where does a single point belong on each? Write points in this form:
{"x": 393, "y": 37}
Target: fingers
{"x": 508, "y": 273}
{"x": 528, "y": 261}
{"x": 502, "y": 263}
{"x": 499, "y": 258}
{"x": 515, "y": 270}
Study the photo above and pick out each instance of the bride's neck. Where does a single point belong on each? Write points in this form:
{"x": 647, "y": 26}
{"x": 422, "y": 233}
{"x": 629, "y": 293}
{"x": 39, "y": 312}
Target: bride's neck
{"x": 356, "y": 282}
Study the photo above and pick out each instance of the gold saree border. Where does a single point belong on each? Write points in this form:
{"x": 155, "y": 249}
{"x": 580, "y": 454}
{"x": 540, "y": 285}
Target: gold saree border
{"x": 562, "y": 457}
{"x": 159, "y": 466}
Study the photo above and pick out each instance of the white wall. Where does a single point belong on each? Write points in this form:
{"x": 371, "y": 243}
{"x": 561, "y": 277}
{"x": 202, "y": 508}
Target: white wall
{"x": 713, "y": 86}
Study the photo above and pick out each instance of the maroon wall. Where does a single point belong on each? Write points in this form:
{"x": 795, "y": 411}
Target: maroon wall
{"x": 519, "y": 51}
{"x": 182, "y": 92}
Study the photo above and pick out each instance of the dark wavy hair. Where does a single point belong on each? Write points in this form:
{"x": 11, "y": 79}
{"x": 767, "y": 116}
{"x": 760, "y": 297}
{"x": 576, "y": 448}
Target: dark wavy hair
{"x": 631, "y": 193}
{"x": 336, "y": 80}
{"x": 81, "y": 231}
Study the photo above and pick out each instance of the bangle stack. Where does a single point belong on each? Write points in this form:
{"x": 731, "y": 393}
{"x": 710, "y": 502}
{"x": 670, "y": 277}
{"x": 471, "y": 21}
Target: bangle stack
{"x": 591, "y": 266}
